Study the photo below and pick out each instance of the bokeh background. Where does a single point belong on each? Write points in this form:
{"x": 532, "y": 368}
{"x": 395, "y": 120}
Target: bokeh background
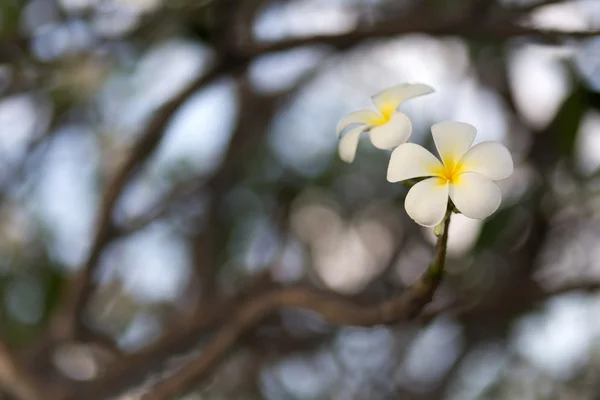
{"x": 163, "y": 162}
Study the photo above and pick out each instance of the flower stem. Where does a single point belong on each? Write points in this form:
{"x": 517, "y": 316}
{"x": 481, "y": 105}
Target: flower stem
{"x": 436, "y": 268}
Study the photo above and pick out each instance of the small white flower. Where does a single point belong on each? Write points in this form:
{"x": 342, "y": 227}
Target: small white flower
{"x": 466, "y": 174}
{"x": 388, "y": 128}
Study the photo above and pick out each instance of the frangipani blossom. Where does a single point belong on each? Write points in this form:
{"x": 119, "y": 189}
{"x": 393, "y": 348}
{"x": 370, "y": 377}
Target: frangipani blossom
{"x": 388, "y": 127}
{"x": 466, "y": 174}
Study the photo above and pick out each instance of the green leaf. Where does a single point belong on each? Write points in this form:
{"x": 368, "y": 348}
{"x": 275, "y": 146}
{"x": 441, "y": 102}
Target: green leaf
{"x": 54, "y": 283}
{"x": 565, "y": 126}
{"x": 593, "y": 99}
{"x": 493, "y": 227}
{"x": 10, "y": 15}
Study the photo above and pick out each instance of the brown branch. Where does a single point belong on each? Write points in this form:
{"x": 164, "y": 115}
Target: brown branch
{"x": 15, "y": 379}
{"x": 132, "y": 369}
{"x": 243, "y": 313}
{"x": 404, "y": 306}
{"x": 522, "y": 301}
{"x": 256, "y": 111}
{"x": 586, "y": 286}
{"x": 334, "y": 311}
{"x": 501, "y": 29}
{"x": 528, "y": 8}
{"x": 66, "y": 323}
{"x": 547, "y": 36}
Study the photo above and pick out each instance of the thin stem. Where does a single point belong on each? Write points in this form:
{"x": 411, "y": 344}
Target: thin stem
{"x": 436, "y": 268}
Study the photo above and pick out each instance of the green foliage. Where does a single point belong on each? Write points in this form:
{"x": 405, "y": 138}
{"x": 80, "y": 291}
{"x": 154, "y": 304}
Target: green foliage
{"x": 565, "y": 125}
{"x": 48, "y": 279}
{"x": 10, "y": 15}
{"x": 494, "y": 226}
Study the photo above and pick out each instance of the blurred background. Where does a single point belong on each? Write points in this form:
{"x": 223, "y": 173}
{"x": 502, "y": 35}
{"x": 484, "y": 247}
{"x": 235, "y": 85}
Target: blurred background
{"x": 163, "y": 162}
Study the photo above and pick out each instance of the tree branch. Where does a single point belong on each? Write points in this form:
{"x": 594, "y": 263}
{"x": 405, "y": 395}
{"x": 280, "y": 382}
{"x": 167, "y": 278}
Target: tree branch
{"x": 520, "y": 302}
{"x": 528, "y": 8}
{"x": 240, "y": 315}
{"x": 404, "y": 306}
{"x": 15, "y": 379}
{"x": 501, "y": 29}
{"x": 66, "y": 323}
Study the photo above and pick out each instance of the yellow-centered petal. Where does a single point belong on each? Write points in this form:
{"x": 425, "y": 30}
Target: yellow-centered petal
{"x": 393, "y": 133}
{"x": 490, "y": 159}
{"x": 409, "y": 161}
{"x": 367, "y": 118}
{"x": 452, "y": 140}
{"x": 349, "y": 143}
{"x": 475, "y": 195}
{"x": 387, "y": 101}
{"x": 426, "y": 202}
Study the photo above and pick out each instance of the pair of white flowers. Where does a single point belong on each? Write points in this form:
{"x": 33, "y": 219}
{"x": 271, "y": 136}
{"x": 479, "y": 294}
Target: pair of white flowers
{"x": 465, "y": 174}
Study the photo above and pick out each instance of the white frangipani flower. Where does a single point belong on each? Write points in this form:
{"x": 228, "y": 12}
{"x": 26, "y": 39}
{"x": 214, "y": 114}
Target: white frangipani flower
{"x": 466, "y": 174}
{"x": 388, "y": 127}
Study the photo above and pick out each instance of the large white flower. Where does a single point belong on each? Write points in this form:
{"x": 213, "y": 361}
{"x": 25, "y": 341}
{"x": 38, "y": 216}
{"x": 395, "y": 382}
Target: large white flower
{"x": 388, "y": 127}
{"x": 466, "y": 174}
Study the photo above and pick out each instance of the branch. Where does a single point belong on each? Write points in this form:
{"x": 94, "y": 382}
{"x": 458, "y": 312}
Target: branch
{"x": 241, "y": 314}
{"x": 585, "y": 286}
{"x": 521, "y": 301}
{"x": 402, "y": 307}
{"x": 15, "y": 379}
{"x": 528, "y": 8}
{"x": 66, "y": 323}
{"x": 500, "y": 29}
{"x": 546, "y": 36}
{"x": 257, "y": 112}
{"x": 77, "y": 297}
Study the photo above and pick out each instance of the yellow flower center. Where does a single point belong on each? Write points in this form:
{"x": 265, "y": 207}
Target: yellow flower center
{"x": 450, "y": 172}
{"x": 387, "y": 109}
{"x": 379, "y": 120}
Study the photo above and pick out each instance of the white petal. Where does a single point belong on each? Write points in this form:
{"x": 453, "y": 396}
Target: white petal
{"x": 409, "y": 161}
{"x": 362, "y": 117}
{"x": 490, "y": 159}
{"x": 388, "y": 100}
{"x": 426, "y": 202}
{"x": 452, "y": 140}
{"x": 349, "y": 143}
{"x": 395, "y": 132}
{"x": 475, "y": 195}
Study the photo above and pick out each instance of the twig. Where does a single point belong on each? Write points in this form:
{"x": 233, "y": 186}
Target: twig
{"x": 568, "y": 287}
{"x": 15, "y": 379}
{"x": 243, "y": 313}
{"x": 132, "y": 368}
{"x": 404, "y": 306}
{"x": 528, "y": 8}
{"x": 66, "y": 323}
{"x": 500, "y": 29}
{"x": 525, "y": 299}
